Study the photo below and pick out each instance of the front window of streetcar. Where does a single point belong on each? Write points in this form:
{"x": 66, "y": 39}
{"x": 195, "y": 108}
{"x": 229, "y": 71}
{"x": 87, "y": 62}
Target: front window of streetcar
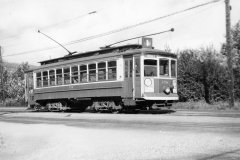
{"x": 164, "y": 67}
{"x": 150, "y": 67}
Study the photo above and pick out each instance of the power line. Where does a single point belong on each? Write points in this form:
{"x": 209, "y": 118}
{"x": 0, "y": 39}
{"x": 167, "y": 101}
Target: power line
{"x": 141, "y": 23}
{"x": 67, "y": 20}
{"x": 30, "y": 51}
{"x": 55, "y": 24}
{"x": 118, "y": 30}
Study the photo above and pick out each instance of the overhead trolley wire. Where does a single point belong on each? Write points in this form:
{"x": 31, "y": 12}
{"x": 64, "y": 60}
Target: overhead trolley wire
{"x": 68, "y": 20}
{"x": 119, "y": 30}
{"x": 141, "y": 23}
{"x": 53, "y": 25}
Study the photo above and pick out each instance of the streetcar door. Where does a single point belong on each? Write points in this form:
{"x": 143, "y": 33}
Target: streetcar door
{"x": 136, "y": 77}
{"x": 128, "y": 78}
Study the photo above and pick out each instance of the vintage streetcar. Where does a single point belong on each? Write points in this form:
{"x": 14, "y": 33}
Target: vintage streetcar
{"x": 111, "y": 79}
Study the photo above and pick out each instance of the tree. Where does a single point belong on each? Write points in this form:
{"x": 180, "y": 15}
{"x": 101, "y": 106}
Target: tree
{"x": 235, "y": 31}
{"x": 14, "y": 84}
{"x": 189, "y": 86}
{"x": 213, "y": 74}
{"x": 235, "y": 34}
{"x": 202, "y": 75}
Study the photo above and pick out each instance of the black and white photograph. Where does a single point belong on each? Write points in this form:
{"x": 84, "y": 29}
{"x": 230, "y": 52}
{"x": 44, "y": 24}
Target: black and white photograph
{"x": 119, "y": 80}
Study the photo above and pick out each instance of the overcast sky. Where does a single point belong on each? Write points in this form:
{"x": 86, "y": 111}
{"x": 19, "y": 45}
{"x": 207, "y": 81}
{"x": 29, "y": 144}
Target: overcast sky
{"x": 68, "y": 20}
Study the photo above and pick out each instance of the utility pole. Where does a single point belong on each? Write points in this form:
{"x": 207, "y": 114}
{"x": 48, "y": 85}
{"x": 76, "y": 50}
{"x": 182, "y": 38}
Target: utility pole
{"x": 229, "y": 53}
{"x": 1, "y": 74}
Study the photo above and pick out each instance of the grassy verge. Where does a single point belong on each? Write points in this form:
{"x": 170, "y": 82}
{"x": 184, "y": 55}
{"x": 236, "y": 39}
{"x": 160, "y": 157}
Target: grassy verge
{"x": 202, "y": 105}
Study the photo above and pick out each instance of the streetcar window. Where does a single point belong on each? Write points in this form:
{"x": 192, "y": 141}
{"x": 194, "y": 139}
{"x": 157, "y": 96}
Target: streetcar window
{"x": 66, "y": 72}
{"x": 101, "y": 71}
{"x": 45, "y": 78}
{"x": 130, "y": 67}
{"x": 92, "y": 72}
{"x": 39, "y": 79}
{"x": 126, "y": 68}
{"x": 52, "y": 77}
{"x": 164, "y": 67}
{"x": 137, "y": 67}
{"x": 83, "y": 73}
{"x": 74, "y": 70}
{"x": 150, "y": 67}
{"x": 173, "y": 68}
{"x": 112, "y": 70}
{"x": 59, "y": 76}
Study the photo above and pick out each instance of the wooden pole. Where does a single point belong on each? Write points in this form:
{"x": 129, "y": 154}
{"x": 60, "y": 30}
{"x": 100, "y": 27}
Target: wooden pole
{"x": 229, "y": 53}
{"x": 1, "y": 74}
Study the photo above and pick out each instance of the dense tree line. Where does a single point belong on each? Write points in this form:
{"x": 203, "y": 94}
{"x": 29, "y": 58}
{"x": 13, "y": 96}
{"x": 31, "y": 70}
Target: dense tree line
{"x": 203, "y": 73}
{"x": 14, "y": 84}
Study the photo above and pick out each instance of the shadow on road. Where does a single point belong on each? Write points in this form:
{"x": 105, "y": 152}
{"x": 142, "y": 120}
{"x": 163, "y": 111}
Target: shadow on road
{"x": 234, "y": 154}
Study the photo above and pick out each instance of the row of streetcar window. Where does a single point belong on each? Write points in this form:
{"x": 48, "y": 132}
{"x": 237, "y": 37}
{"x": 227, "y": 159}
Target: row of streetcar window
{"x": 93, "y": 72}
{"x": 150, "y": 67}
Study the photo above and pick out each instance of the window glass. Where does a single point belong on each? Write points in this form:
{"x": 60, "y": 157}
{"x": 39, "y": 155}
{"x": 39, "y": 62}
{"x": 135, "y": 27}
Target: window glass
{"x": 59, "y": 76}
{"x": 66, "y": 72}
{"x": 92, "y": 72}
{"x": 150, "y": 67}
{"x": 137, "y": 67}
{"x": 74, "y": 70}
{"x": 39, "y": 79}
{"x": 83, "y": 73}
{"x": 45, "y": 78}
{"x": 112, "y": 70}
{"x": 101, "y": 71}
{"x": 131, "y": 67}
{"x": 126, "y": 68}
{"x": 164, "y": 67}
{"x": 52, "y": 77}
{"x": 173, "y": 68}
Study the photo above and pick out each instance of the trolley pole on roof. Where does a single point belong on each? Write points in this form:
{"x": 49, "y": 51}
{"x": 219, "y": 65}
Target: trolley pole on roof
{"x": 229, "y": 53}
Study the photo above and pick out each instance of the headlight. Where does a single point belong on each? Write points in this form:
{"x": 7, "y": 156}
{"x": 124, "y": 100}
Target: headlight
{"x": 148, "y": 82}
{"x": 167, "y": 90}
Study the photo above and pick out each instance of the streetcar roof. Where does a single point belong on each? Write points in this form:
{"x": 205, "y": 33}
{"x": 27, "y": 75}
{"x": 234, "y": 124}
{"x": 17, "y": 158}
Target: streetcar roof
{"x": 91, "y": 53}
{"x": 104, "y": 51}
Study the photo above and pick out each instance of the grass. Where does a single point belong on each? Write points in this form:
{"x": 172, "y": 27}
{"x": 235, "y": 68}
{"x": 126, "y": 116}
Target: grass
{"x": 202, "y": 105}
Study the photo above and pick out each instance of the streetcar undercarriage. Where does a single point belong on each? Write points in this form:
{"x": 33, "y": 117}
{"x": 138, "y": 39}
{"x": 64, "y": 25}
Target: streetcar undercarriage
{"x": 109, "y": 105}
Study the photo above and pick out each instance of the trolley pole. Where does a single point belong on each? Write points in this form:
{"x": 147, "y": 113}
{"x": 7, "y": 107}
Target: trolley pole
{"x": 229, "y": 53}
{"x": 1, "y": 74}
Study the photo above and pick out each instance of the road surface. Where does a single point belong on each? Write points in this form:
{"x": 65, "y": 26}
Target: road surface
{"x": 180, "y": 135}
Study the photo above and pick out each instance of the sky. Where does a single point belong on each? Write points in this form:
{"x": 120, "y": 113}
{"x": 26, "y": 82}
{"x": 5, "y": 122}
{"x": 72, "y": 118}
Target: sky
{"x": 70, "y": 20}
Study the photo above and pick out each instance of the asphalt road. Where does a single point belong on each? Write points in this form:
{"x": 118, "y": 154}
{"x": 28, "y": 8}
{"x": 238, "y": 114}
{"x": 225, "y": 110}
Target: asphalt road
{"x": 200, "y": 135}
{"x": 194, "y": 121}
